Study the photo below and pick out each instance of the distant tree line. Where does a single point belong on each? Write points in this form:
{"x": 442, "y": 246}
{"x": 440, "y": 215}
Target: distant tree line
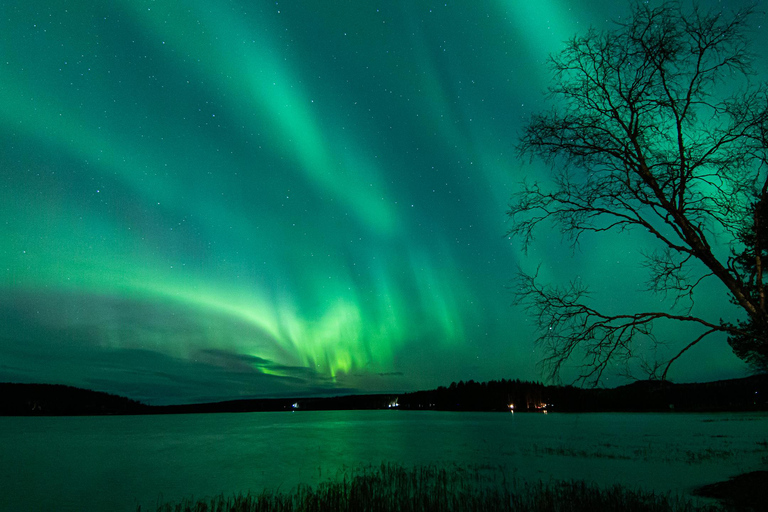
{"x": 746, "y": 394}
{"x": 750, "y": 393}
{"x": 479, "y": 396}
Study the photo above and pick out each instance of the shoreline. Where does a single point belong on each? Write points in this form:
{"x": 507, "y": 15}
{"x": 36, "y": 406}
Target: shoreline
{"x": 747, "y": 491}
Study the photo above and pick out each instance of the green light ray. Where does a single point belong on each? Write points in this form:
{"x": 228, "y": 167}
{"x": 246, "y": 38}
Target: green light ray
{"x": 247, "y": 62}
{"x": 315, "y": 194}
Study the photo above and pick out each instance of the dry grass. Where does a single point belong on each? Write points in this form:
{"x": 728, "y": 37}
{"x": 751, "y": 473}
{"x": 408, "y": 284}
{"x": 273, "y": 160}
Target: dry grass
{"x": 391, "y": 488}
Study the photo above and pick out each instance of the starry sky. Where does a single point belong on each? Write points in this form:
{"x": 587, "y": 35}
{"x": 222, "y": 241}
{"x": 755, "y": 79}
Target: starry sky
{"x": 206, "y": 200}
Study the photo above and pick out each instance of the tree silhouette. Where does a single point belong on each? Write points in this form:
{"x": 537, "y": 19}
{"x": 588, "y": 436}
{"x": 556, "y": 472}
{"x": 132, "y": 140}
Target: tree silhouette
{"x": 647, "y": 136}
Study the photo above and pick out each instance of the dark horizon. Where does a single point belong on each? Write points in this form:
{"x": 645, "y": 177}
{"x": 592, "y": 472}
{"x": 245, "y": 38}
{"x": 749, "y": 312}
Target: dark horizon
{"x": 338, "y": 392}
{"x": 747, "y": 394}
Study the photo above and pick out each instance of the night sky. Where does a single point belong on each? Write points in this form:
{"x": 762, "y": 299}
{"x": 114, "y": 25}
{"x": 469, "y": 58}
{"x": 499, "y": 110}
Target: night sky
{"x": 206, "y": 200}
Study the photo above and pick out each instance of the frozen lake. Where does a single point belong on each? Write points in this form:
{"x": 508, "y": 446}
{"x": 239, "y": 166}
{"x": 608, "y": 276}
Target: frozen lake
{"x": 117, "y": 462}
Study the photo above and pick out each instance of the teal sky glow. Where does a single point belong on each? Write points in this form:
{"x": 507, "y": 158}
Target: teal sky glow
{"x": 205, "y": 200}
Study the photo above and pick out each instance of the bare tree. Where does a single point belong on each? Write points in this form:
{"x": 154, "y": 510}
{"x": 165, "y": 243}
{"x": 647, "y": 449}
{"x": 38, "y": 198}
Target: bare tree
{"x": 643, "y": 139}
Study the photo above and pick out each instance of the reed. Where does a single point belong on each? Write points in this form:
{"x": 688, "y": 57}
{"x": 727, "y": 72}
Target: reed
{"x": 391, "y": 487}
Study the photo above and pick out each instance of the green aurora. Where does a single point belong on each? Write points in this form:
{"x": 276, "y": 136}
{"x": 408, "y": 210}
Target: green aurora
{"x": 206, "y": 200}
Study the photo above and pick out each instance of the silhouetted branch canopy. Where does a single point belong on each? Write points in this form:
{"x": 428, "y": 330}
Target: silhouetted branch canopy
{"x": 646, "y": 135}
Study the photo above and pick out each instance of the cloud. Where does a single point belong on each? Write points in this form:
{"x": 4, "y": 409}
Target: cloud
{"x": 160, "y": 379}
{"x": 236, "y": 361}
{"x": 172, "y": 366}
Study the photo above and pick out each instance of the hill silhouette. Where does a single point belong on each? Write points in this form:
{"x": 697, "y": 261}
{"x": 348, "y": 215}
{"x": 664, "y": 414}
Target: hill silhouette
{"x": 57, "y": 400}
{"x": 747, "y": 394}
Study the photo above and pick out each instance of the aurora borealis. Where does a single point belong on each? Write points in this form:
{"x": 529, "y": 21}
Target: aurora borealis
{"x": 206, "y": 200}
